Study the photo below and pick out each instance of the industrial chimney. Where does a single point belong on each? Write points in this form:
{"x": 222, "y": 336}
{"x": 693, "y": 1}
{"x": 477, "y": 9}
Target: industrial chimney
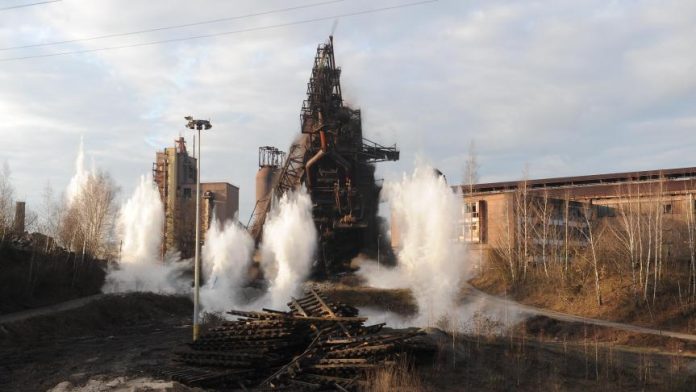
{"x": 19, "y": 217}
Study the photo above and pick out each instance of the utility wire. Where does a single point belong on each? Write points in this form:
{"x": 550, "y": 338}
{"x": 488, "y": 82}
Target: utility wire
{"x": 28, "y": 5}
{"x": 171, "y": 27}
{"x": 364, "y": 12}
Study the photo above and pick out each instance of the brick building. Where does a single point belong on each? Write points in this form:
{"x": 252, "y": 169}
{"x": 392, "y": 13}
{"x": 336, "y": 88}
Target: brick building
{"x": 174, "y": 172}
{"x": 492, "y": 213}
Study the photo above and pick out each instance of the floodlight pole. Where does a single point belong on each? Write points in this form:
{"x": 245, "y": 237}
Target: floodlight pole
{"x": 379, "y": 236}
{"x": 197, "y": 125}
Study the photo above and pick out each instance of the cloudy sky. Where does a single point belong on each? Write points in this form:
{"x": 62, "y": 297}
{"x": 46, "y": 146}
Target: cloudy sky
{"x": 567, "y": 87}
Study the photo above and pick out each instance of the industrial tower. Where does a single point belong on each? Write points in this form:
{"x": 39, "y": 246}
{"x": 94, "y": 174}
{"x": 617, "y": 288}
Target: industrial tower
{"x": 336, "y": 164}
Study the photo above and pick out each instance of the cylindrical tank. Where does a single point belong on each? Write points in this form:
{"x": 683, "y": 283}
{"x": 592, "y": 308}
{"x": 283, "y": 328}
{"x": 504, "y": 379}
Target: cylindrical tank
{"x": 265, "y": 178}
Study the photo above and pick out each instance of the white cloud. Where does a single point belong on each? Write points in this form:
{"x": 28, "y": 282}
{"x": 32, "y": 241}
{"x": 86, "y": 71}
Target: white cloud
{"x": 570, "y": 87}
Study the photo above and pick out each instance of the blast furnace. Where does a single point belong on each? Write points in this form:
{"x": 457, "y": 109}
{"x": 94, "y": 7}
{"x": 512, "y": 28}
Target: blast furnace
{"x": 336, "y": 164}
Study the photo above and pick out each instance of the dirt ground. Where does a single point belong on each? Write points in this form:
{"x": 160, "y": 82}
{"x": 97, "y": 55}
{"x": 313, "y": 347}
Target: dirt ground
{"x": 119, "y": 335}
{"x": 516, "y": 363}
{"x": 119, "y": 342}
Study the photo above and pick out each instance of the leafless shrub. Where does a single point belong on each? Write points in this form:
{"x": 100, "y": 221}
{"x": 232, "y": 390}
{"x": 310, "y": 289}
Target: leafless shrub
{"x": 211, "y": 320}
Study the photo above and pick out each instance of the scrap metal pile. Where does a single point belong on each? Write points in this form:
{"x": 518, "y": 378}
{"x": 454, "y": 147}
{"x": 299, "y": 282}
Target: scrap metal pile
{"x": 317, "y": 345}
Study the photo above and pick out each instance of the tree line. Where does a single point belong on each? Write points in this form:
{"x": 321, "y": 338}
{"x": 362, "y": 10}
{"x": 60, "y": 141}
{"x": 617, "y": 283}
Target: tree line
{"x": 643, "y": 236}
{"x": 83, "y": 224}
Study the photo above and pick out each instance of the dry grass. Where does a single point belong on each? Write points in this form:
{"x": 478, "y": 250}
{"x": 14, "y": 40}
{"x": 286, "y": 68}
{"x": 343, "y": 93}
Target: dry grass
{"x": 399, "y": 301}
{"x": 577, "y": 296}
{"x": 401, "y": 376}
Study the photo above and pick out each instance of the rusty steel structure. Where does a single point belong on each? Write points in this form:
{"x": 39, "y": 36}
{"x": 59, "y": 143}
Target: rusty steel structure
{"x": 316, "y": 345}
{"x": 335, "y": 163}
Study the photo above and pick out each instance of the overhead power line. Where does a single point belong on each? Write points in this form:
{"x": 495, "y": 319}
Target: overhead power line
{"x": 180, "y": 26}
{"x": 28, "y": 5}
{"x": 269, "y": 27}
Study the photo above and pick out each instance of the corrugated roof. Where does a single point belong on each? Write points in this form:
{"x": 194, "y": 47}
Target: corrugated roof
{"x": 595, "y": 179}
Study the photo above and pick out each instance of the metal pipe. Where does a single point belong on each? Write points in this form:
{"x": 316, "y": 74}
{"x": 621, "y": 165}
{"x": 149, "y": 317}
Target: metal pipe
{"x": 317, "y": 157}
{"x": 197, "y": 258}
{"x": 197, "y": 125}
{"x": 322, "y": 140}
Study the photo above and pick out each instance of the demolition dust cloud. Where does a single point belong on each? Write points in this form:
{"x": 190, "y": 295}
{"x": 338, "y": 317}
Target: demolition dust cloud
{"x": 431, "y": 262}
{"x": 287, "y": 252}
{"x": 226, "y": 260}
{"x": 289, "y": 243}
{"x": 140, "y": 265}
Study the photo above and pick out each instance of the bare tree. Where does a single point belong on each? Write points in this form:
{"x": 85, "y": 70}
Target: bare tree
{"x": 31, "y": 221}
{"x": 627, "y": 228}
{"x": 504, "y": 246}
{"x": 471, "y": 168}
{"x": 660, "y": 209}
{"x": 542, "y": 227}
{"x": 50, "y": 216}
{"x": 566, "y": 230}
{"x": 88, "y": 224}
{"x": 691, "y": 233}
{"x": 6, "y": 199}
{"x": 523, "y": 214}
{"x": 592, "y": 234}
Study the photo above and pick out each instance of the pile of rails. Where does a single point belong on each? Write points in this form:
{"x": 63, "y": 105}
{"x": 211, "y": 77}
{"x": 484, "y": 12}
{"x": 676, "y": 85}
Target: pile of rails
{"x": 317, "y": 345}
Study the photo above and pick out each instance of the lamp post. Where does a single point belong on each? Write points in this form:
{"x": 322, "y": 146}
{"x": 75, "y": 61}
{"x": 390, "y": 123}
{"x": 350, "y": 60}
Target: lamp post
{"x": 197, "y": 125}
{"x": 379, "y": 236}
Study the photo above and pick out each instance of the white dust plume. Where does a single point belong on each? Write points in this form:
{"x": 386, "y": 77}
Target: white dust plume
{"x": 288, "y": 248}
{"x": 140, "y": 267}
{"x": 431, "y": 262}
{"x": 77, "y": 182}
{"x": 226, "y": 259}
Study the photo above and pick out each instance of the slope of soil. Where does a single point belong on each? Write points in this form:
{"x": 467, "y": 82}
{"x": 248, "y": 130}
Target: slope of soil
{"x": 619, "y": 302}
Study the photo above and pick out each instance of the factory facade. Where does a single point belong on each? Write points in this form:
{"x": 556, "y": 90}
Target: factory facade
{"x": 555, "y": 212}
{"x": 174, "y": 172}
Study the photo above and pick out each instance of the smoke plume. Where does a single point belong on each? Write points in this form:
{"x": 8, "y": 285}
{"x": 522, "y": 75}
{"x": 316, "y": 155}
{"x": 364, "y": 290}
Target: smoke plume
{"x": 431, "y": 262}
{"x": 289, "y": 244}
{"x": 226, "y": 260}
{"x": 77, "y": 182}
{"x": 139, "y": 227}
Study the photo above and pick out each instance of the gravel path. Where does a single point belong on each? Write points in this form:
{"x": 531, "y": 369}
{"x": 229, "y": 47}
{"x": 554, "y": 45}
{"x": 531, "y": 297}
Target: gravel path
{"x": 67, "y": 305}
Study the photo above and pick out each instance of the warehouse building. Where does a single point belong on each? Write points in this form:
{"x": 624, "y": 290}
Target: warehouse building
{"x": 495, "y": 215}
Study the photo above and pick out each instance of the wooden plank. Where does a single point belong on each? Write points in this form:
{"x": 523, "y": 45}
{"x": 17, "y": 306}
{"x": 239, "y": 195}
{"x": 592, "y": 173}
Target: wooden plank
{"x": 323, "y": 304}
{"x": 299, "y": 308}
